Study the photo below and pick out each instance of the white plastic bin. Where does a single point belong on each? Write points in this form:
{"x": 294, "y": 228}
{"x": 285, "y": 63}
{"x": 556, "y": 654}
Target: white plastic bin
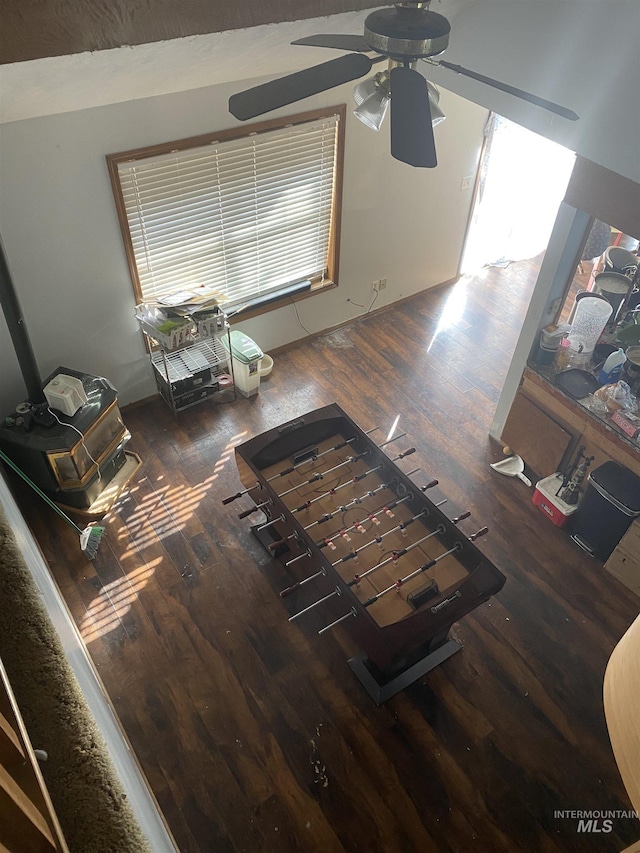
{"x": 589, "y": 321}
{"x": 247, "y": 359}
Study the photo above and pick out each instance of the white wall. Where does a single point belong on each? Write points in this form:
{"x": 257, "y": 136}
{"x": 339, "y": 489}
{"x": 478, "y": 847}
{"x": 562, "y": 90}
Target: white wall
{"x": 56, "y": 215}
{"x": 582, "y": 54}
{"x": 63, "y": 245}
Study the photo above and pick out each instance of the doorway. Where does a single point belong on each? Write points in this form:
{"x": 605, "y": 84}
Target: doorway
{"x": 522, "y": 180}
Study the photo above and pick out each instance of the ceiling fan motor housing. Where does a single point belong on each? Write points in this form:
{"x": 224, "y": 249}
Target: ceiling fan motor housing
{"x": 407, "y": 32}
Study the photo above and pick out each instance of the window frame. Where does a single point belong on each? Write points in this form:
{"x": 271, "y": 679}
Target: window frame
{"x": 320, "y": 285}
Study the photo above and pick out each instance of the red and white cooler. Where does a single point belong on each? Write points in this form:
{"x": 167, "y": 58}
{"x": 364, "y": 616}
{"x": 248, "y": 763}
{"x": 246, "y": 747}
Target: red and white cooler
{"x": 545, "y": 498}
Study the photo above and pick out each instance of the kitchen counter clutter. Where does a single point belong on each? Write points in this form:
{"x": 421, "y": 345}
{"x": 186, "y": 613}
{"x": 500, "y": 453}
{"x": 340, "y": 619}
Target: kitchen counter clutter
{"x": 585, "y": 374}
{"x": 556, "y": 431}
{"x": 579, "y": 392}
{"x": 547, "y": 427}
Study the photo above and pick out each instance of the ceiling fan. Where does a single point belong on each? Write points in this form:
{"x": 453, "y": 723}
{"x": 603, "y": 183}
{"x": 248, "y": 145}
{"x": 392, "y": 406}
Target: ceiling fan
{"x": 402, "y": 34}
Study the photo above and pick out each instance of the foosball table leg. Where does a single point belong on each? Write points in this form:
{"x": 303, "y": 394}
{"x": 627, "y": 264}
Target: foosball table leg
{"x": 381, "y": 689}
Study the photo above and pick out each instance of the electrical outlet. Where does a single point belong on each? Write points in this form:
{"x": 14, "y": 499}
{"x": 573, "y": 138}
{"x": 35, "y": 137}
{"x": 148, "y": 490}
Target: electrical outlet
{"x": 375, "y": 286}
{"x": 465, "y": 183}
{"x": 382, "y": 284}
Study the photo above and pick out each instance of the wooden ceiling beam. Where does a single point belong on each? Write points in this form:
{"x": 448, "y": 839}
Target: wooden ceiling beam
{"x": 33, "y": 30}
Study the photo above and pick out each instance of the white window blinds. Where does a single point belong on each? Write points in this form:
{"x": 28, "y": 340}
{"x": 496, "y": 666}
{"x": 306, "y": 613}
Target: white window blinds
{"x": 245, "y": 216}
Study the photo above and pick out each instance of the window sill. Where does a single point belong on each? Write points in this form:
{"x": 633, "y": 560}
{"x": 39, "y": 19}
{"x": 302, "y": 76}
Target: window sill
{"x": 249, "y": 313}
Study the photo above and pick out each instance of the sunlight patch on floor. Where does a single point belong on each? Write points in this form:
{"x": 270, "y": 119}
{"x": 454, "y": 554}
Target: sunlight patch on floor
{"x": 168, "y": 508}
{"x": 452, "y": 311}
{"x": 162, "y": 513}
{"x": 392, "y": 431}
{"x": 114, "y": 601}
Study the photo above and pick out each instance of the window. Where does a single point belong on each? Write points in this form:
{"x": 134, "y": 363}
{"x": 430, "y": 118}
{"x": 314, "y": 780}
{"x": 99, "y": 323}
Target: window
{"x": 247, "y": 212}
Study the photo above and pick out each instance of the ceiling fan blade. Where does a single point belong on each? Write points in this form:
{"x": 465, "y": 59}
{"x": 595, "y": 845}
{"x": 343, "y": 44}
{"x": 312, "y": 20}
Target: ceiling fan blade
{"x": 356, "y": 44}
{"x": 412, "y": 139}
{"x": 510, "y": 90}
{"x": 296, "y": 87}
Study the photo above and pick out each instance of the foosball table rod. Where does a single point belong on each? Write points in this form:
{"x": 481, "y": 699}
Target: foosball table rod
{"x": 372, "y": 516}
{"x": 401, "y": 581}
{"x": 289, "y": 470}
{"x": 273, "y": 545}
{"x": 353, "y": 554}
{"x": 435, "y": 609}
{"x": 352, "y": 612}
{"x": 269, "y": 523}
{"x": 237, "y": 495}
{"x": 312, "y": 458}
{"x": 336, "y": 591}
{"x": 320, "y": 475}
{"x": 306, "y": 553}
{"x": 257, "y": 507}
{"x": 350, "y": 482}
{"x": 440, "y": 529}
{"x": 357, "y": 501}
{"x": 291, "y": 589}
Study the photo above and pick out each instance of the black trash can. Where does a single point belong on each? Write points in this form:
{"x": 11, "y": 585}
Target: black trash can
{"x": 609, "y": 505}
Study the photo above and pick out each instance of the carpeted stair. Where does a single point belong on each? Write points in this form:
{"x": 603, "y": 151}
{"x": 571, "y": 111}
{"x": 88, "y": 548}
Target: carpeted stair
{"x": 87, "y": 795}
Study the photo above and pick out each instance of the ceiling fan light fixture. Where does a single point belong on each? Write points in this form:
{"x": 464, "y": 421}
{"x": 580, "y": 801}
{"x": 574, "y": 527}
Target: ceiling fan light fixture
{"x": 437, "y": 115}
{"x": 364, "y": 90}
{"x": 372, "y": 111}
{"x": 372, "y": 99}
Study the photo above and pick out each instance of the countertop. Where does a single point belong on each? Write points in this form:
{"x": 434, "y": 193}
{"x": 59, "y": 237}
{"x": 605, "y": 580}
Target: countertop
{"x": 544, "y": 377}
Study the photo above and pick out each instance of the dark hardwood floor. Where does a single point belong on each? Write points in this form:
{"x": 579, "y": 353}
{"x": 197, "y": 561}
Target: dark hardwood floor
{"x": 253, "y": 732}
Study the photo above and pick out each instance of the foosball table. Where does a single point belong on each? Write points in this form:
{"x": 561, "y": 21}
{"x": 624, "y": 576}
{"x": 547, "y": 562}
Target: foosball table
{"x": 363, "y": 544}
